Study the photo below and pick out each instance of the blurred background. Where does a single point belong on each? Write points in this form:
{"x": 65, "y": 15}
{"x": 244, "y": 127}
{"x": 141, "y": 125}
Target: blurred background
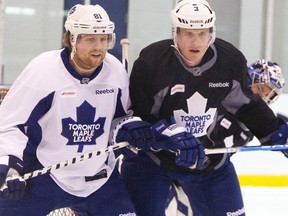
{"x": 259, "y": 28}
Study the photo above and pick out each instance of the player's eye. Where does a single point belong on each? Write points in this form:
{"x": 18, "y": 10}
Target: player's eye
{"x": 90, "y": 40}
{"x": 104, "y": 39}
{"x": 202, "y": 34}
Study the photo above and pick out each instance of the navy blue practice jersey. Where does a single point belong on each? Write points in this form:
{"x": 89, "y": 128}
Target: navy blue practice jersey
{"x": 162, "y": 87}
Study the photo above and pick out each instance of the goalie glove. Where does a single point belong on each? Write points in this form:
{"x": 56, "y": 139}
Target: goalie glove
{"x": 188, "y": 149}
{"x": 12, "y": 184}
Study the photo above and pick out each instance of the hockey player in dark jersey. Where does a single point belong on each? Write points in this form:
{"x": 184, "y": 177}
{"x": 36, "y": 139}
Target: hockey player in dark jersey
{"x": 267, "y": 81}
{"x": 66, "y": 103}
{"x": 185, "y": 82}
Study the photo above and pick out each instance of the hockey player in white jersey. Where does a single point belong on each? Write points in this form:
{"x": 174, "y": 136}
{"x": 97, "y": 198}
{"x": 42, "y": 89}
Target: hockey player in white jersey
{"x": 66, "y": 103}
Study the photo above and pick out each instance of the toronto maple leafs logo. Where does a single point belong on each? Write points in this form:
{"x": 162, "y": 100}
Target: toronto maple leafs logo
{"x": 83, "y": 131}
{"x": 196, "y": 120}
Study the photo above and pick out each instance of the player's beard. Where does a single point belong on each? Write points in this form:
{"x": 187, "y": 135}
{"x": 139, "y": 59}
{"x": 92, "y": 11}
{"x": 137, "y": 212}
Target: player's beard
{"x": 89, "y": 62}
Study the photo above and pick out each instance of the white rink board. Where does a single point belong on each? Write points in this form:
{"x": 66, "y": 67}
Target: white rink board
{"x": 265, "y": 201}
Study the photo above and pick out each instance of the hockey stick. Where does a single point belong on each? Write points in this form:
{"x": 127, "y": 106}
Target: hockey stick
{"x": 235, "y": 149}
{"x": 114, "y": 147}
{"x": 125, "y": 43}
{"x": 245, "y": 149}
{"x": 74, "y": 160}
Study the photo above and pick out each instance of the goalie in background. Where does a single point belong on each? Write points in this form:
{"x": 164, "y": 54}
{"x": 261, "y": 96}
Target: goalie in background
{"x": 180, "y": 85}
{"x": 64, "y": 104}
{"x": 266, "y": 80}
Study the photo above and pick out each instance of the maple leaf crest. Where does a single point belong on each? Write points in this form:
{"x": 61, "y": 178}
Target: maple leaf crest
{"x": 83, "y": 131}
{"x": 196, "y": 120}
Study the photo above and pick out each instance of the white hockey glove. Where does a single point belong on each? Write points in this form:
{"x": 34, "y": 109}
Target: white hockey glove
{"x": 12, "y": 184}
{"x": 188, "y": 149}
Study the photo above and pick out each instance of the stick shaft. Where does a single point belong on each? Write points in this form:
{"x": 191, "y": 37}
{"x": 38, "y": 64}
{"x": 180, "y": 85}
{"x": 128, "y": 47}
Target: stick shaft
{"x": 74, "y": 160}
{"x": 125, "y": 43}
{"x": 114, "y": 147}
{"x": 246, "y": 149}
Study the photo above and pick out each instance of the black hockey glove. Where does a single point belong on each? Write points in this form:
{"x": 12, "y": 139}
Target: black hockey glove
{"x": 188, "y": 149}
{"x": 12, "y": 184}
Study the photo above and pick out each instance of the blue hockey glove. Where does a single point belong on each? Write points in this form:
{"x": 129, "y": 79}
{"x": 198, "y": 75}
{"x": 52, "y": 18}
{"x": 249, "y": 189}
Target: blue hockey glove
{"x": 137, "y": 133}
{"x": 189, "y": 151}
{"x": 12, "y": 184}
{"x": 280, "y": 137}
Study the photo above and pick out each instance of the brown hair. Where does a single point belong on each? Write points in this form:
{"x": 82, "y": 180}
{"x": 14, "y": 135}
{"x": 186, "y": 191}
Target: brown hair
{"x": 66, "y": 40}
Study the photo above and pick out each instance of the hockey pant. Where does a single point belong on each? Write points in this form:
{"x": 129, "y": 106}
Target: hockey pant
{"x": 217, "y": 193}
{"x": 43, "y": 195}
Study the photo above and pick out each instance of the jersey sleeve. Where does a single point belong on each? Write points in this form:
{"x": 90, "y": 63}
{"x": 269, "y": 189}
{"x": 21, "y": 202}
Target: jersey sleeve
{"x": 247, "y": 107}
{"x": 227, "y": 131}
{"x": 14, "y": 113}
{"x": 141, "y": 91}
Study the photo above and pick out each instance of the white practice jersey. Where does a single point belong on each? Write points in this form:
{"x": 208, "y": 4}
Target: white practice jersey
{"x": 57, "y": 114}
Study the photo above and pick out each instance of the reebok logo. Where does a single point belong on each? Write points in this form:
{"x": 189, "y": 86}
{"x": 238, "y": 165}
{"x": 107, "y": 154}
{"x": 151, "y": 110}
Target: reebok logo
{"x": 128, "y": 214}
{"x": 196, "y": 21}
{"x": 236, "y": 213}
{"x": 218, "y": 85}
{"x": 160, "y": 128}
{"x": 105, "y": 91}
